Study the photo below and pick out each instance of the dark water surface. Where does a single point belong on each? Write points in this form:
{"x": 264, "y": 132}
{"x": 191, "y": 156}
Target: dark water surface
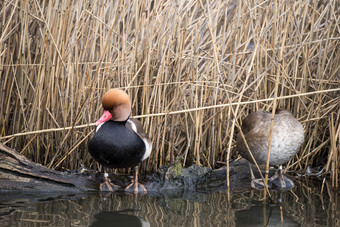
{"x": 305, "y": 205}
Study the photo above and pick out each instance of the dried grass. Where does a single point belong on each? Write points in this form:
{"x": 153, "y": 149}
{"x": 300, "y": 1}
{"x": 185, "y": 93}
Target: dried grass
{"x": 208, "y": 63}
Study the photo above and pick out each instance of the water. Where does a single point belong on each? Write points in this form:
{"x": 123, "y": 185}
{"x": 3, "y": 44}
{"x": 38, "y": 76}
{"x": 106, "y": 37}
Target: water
{"x": 303, "y": 206}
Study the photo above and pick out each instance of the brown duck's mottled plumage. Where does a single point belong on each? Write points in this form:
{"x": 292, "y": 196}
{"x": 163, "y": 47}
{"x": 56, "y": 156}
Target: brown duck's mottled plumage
{"x": 287, "y": 137}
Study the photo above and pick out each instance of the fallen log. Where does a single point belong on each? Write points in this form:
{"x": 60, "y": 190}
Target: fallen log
{"x": 17, "y": 173}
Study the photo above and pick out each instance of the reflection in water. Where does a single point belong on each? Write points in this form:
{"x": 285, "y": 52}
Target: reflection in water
{"x": 303, "y": 205}
{"x": 263, "y": 215}
{"x": 117, "y": 218}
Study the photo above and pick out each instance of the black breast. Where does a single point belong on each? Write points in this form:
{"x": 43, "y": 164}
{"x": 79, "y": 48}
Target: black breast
{"x": 116, "y": 146}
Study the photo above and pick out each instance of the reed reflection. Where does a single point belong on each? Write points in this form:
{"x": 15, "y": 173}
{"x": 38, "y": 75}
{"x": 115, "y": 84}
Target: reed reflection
{"x": 306, "y": 204}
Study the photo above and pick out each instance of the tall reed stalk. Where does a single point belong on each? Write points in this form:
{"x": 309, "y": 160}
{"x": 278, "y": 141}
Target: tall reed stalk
{"x": 208, "y": 63}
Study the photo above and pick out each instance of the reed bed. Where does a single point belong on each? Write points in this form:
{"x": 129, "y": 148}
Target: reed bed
{"x": 193, "y": 68}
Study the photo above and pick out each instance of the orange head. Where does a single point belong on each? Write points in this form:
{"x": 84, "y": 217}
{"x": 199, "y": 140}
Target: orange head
{"x": 118, "y": 104}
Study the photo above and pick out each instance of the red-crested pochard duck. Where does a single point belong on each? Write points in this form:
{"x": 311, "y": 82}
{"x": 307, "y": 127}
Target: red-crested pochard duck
{"x": 287, "y": 137}
{"x": 119, "y": 141}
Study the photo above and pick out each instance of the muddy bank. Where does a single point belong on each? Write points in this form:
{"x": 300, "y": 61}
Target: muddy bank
{"x": 17, "y": 173}
{"x": 198, "y": 178}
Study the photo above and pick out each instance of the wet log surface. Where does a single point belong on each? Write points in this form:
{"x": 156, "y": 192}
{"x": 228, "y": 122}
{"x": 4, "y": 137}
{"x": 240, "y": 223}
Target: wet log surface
{"x": 17, "y": 173}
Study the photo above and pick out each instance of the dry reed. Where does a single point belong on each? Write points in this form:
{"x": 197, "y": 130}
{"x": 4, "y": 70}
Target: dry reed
{"x": 209, "y": 63}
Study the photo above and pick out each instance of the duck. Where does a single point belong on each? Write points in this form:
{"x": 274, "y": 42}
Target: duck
{"x": 119, "y": 140}
{"x": 287, "y": 138}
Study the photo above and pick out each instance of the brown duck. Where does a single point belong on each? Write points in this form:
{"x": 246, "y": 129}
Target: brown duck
{"x": 287, "y": 137}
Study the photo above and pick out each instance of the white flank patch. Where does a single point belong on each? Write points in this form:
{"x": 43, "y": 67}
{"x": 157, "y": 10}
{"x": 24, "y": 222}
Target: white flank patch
{"x": 98, "y": 127}
{"x": 133, "y": 126}
{"x": 148, "y": 148}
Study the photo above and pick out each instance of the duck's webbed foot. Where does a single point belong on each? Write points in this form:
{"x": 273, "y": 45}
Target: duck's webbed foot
{"x": 107, "y": 185}
{"x": 280, "y": 181}
{"x": 135, "y": 187}
{"x": 256, "y": 183}
{"x": 277, "y": 182}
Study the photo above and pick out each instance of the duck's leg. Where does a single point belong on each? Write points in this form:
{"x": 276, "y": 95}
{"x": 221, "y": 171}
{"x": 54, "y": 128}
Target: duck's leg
{"x": 256, "y": 183}
{"x": 280, "y": 181}
{"x": 107, "y": 185}
{"x": 135, "y": 186}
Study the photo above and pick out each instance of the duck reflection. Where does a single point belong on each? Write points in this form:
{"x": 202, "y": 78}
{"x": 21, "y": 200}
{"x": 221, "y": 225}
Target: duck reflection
{"x": 262, "y": 215}
{"x": 304, "y": 205}
{"x": 118, "y": 218}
